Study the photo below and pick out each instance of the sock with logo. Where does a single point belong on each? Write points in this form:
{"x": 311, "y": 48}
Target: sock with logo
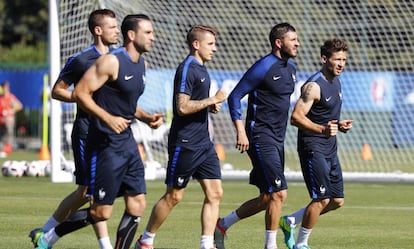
{"x": 126, "y": 231}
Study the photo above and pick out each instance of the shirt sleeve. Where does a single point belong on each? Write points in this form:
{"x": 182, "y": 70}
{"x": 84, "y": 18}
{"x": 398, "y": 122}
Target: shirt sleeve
{"x": 250, "y": 80}
{"x": 71, "y": 73}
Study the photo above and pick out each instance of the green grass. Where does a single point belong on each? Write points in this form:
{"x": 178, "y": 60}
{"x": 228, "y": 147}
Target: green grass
{"x": 242, "y": 162}
{"x": 374, "y": 216}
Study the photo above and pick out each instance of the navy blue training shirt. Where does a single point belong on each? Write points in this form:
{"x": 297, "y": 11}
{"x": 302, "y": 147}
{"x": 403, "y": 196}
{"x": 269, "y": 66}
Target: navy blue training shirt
{"x": 191, "y": 78}
{"x": 73, "y": 71}
{"x": 119, "y": 97}
{"x": 269, "y": 84}
{"x": 328, "y": 108}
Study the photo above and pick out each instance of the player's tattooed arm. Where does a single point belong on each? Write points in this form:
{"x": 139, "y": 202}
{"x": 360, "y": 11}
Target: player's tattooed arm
{"x": 308, "y": 92}
{"x": 186, "y": 106}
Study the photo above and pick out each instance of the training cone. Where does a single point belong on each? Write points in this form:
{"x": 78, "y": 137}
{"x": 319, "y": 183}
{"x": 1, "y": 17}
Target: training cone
{"x": 44, "y": 153}
{"x": 366, "y": 153}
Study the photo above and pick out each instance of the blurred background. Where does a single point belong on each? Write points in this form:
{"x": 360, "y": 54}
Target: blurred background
{"x": 23, "y": 62}
{"x": 378, "y": 82}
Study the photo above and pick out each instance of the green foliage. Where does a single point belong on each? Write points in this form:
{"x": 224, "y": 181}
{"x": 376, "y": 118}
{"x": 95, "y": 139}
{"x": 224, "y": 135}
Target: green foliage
{"x": 23, "y": 31}
{"x": 24, "y": 54}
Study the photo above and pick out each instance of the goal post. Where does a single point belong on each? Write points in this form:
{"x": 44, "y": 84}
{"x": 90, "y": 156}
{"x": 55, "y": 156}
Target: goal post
{"x": 57, "y": 174}
{"x": 378, "y": 93}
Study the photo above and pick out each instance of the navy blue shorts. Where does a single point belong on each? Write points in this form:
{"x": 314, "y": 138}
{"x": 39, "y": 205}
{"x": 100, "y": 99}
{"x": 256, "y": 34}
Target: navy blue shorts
{"x": 322, "y": 175}
{"x": 184, "y": 163}
{"x": 81, "y": 167}
{"x": 116, "y": 173}
{"x": 268, "y": 167}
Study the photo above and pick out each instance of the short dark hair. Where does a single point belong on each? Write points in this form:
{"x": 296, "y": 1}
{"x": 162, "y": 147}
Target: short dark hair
{"x": 195, "y": 32}
{"x": 333, "y": 45}
{"x": 130, "y": 22}
{"x": 279, "y": 31}
{"x": 96, "y": 16}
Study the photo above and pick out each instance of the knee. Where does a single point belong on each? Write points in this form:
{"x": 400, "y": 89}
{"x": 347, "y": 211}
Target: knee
{"x": 135, "y": 205}
{"x": 265, "y": 199}
{"x": 337, "y": 203}
{"x": 280, "y": 196}
{"x": 215, "y": 195}
{"x": 173, "y": 198}
{"x": 100, "y": 213}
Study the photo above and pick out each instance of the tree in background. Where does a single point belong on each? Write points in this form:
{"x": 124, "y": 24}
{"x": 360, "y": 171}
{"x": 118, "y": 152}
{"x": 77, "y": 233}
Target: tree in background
{"x": 23, "y": 31}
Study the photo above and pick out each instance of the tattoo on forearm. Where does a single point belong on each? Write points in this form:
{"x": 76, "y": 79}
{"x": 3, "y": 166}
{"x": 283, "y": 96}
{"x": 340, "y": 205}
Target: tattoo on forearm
{"x": 197, "y": 104}
{"x": 192, "y": 105}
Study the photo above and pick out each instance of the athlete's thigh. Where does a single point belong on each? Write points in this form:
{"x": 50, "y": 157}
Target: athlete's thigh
{"x": 268, "y": 167}
{"x": 108, "y": 168}
{"x": 336, "y": 186}
{"x": 212, "y": 188}
{"x": 315, "y": 170}
{"x": 182, "y": 163}
{"x": 133, "y": 182}
{"x": 208, "y": 165}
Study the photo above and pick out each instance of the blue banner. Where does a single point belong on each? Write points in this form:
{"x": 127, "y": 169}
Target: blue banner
{"x": 367, "y": 91}
{"x": 26, "y": 85}
{"x": 362, "y": 91}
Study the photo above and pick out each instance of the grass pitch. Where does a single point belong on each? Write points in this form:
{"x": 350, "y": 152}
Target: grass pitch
{"x": 374, "y": 216}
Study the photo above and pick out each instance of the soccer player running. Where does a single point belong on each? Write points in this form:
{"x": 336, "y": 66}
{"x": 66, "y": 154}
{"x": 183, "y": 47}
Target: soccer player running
{"x": 269, "y": 84}
{"x": 191, "y": 152}
{"x": 103, "y": 26}
{"x": 109, "y": 91}
{"x": 317, "y": 116}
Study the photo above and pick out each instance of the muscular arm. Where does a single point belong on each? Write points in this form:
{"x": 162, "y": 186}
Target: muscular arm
{"x": 310, "y": 94}
{"x": 60, "y": 91}
{"x": 105, "y": 68}
{"x": 186, "y": 106}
